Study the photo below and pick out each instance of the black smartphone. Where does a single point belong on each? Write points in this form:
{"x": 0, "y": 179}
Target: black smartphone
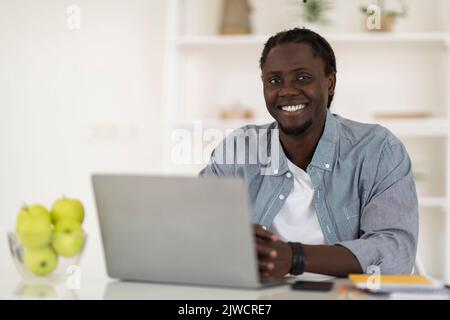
{"x": 313, "y": 285}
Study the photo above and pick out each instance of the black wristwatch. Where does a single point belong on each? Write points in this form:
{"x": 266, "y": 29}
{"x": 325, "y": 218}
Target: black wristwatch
{"x": 297, "y": 258}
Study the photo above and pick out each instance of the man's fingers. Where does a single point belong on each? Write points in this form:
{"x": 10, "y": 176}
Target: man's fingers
{"x": 266, "y": 266}
{"x": 264, "y": 276}
{"x": 265, "y": 251}
{"x": 260, "y": 232}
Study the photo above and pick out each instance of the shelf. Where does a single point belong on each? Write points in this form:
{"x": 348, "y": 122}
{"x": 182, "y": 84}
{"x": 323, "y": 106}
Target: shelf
{"x": 221, "y": 123}
{"x": 418, "y": 128}
{"x": 217, "y": 40}
{"x": 433, "y": 127}
{"x": 422, "y": 38}
{"x": 417, "y": 38}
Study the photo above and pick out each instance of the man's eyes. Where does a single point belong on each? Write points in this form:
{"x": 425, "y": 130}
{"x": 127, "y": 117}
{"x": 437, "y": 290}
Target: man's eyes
{"x": 304, "y": 77}
{"x": 274, "y": 80}
{"x": 301, "y": 78}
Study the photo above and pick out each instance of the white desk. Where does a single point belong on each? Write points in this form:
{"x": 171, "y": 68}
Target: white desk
{"x": 97, "y": 288}
{"x": 12, "y": 287}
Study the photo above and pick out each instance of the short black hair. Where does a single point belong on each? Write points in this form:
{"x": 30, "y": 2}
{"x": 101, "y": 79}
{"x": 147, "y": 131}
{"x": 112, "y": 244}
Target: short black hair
{"x": 319, "y": 45}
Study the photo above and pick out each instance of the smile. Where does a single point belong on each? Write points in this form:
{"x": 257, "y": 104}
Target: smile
{"x": 293, "y": 108}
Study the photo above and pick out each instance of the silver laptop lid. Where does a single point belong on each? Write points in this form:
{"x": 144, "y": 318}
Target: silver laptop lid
{"x": 184, "y": 230}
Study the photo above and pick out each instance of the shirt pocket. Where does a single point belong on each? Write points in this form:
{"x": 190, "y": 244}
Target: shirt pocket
{"x": 352, "y": 212}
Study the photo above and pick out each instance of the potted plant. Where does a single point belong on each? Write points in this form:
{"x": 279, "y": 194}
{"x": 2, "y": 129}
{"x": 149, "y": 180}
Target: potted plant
{"x": 387, "y": 14}
{"x": 313, "y": 13}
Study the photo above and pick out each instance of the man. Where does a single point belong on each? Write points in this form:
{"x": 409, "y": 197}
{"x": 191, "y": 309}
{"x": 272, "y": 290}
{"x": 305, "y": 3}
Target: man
{"x": 342, "y": 198}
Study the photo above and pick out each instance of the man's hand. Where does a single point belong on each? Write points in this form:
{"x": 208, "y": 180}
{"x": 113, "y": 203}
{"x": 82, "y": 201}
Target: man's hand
{"x": 274, "y": 256}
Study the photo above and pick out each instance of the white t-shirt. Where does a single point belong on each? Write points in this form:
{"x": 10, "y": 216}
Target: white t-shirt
{"x": 297, "y": 220}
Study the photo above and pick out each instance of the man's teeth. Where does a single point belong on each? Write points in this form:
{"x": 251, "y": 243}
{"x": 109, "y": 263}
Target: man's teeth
{"x": 293, "y": 108}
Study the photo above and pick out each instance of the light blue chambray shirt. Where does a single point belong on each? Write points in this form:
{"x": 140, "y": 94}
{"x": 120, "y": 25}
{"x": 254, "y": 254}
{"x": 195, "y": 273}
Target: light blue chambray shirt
{"x": 364, "y": 192}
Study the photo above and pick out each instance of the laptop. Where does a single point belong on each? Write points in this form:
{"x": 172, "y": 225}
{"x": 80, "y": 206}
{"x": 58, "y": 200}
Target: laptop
{"x": 181, "y": 230}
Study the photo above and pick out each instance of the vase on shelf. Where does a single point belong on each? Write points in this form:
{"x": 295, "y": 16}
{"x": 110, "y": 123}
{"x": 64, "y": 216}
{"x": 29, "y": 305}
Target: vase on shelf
{"x": 236, "y": 17}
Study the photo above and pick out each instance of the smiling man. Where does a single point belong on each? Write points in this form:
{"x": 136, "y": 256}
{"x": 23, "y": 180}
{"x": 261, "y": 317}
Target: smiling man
{"x": 341, "y": 198}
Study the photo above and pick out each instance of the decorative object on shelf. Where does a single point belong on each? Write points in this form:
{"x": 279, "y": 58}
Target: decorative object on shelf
{"x": 236, "y": 111}
{"x": 236, "y": 17}
{"x": 401, "y": 115}
{"x": 314, "y": 11}
{"x": 382, "y": 15}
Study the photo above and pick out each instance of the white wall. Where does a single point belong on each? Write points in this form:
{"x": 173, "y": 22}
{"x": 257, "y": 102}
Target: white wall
{"x": 76, "y": 102}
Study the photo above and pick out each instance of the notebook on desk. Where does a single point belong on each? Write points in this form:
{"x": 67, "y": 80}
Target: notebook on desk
{"x": 398, "y": 285}
{"x": 183, "y": 230}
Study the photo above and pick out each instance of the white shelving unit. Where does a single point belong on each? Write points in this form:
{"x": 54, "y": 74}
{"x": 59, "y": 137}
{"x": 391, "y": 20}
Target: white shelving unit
{"x": 398, "y": 71}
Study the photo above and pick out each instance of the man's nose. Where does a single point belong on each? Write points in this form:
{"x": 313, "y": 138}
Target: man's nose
{"x": 288, "y": 89}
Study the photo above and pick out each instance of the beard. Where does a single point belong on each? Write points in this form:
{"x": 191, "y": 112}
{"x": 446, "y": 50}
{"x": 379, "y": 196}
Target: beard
{"x": 297, "y": 130}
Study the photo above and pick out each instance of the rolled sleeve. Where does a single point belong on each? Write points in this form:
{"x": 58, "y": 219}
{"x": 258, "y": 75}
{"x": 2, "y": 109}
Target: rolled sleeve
{"x": 390, "y": 219}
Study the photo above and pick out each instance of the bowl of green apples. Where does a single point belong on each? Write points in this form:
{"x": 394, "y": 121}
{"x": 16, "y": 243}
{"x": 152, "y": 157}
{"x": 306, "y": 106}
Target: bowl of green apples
{"x": 46, "y": 245}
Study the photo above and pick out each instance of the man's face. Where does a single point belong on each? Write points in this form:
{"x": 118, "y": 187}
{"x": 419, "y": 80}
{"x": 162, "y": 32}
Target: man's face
{"x": 296, "y": 88}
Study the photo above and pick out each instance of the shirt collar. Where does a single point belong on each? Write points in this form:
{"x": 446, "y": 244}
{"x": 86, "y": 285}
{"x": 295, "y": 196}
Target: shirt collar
{"x": 324, "y": 154}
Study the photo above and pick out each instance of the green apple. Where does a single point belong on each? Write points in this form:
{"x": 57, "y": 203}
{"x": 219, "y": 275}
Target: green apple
{"x": 40, "y": 261}
{"x": 34, "y": 226}
{"x": 67, "y": 209}
{"x": 68, "y": 238}
{"x": 35, "y": 211}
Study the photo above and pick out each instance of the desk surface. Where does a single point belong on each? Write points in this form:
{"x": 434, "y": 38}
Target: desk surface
{"x": 12, "y": 287}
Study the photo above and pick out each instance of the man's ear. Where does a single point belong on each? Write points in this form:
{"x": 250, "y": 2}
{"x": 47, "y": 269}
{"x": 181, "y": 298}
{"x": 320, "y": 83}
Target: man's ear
{"x": 331, "y": 83}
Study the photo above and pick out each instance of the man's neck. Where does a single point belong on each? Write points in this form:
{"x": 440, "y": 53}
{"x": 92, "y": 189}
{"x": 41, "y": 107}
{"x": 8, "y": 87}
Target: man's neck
{"x": 300, "y": 149}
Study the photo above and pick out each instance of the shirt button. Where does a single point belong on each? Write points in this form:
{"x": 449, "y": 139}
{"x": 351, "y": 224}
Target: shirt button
{"x": 327, "y": 165}
{"x": 288, "y": 174}
{"x": 281, "y": 197}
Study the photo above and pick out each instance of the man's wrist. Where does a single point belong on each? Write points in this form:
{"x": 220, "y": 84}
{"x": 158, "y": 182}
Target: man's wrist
{"x": 298, "y": 258}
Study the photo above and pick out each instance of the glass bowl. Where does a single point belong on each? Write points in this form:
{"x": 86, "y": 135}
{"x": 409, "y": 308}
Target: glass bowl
{"x": 44, "y": 291}
{"x": 65, "y": 266}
